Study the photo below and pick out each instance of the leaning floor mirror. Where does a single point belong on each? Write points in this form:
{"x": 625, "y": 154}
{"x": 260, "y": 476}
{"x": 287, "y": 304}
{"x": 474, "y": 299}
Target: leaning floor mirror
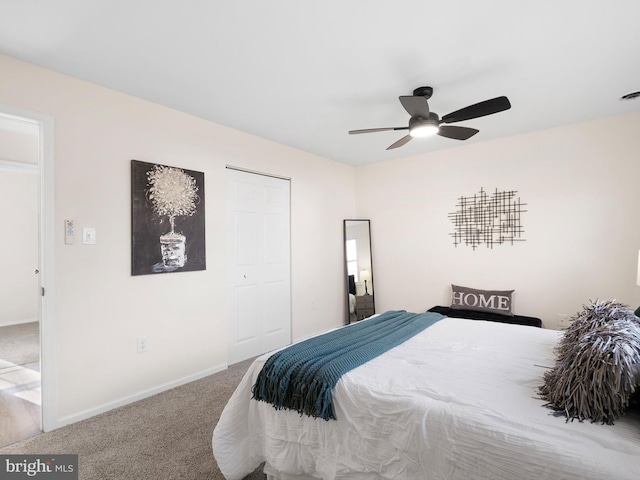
{"x": 358, "y": 270}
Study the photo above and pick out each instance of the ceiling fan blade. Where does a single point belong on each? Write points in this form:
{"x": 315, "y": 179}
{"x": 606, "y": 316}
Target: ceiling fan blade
{"x": 371, "y": 130}
{"x": 415, "y": 105}
{"x": 457, "y": 133}
{"x": 481, "y": 109}
{"x": 400, "y": 142}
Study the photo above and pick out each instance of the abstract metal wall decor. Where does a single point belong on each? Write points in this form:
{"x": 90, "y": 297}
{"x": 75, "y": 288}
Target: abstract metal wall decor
{"x": 490, "y": 219}
{"x": 167, "y": 219}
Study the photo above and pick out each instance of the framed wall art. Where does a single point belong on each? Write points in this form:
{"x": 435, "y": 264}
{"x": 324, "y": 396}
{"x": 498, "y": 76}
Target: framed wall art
{"x": 167, "y": 219}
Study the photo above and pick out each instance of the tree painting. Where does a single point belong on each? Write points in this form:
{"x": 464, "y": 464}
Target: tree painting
{"x": 168, "y": 219}
{"x": 173, "y": 193}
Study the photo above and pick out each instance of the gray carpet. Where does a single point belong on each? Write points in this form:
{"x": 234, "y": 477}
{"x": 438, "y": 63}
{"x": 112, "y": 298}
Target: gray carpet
{"x": 167, "y": 436}
{"x": 20, "y": 344}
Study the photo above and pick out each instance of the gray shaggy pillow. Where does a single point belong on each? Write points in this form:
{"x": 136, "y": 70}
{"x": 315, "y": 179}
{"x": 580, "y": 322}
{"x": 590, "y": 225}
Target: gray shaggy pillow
{"x": 597, "y": 368}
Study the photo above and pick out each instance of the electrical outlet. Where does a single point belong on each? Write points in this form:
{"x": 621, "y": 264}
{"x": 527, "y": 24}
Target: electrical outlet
{"x": 143, "y": 345}
{"x": 563, "y": 320}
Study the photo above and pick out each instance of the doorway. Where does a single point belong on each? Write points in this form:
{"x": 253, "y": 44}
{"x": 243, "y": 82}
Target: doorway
{"x": 20, "y": 372}
{"x": 45, "y": 264}
{"x": 259, "y": 263}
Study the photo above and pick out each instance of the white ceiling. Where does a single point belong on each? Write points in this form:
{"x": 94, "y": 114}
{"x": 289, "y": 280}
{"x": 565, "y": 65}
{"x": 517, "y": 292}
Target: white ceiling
{"x": 305, "y": 72}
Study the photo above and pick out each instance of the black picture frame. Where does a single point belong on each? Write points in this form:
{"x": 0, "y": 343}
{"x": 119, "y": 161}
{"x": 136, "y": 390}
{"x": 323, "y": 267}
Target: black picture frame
{"x": 184, "y": 250}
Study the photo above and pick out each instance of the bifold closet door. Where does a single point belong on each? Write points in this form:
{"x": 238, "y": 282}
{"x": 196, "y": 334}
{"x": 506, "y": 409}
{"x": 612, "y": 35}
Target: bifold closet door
{"x": 259, "y": 265}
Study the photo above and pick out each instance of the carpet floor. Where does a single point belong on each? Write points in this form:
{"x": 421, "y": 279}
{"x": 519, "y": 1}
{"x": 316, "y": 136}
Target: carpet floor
{"x": 19, "y": 382}
{"x": 166, "y": 436}
{"x": 20, "y": 344}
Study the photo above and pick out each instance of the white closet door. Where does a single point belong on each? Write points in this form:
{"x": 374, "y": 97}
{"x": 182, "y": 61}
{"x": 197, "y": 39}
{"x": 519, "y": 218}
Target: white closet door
{"x": 259, "y": 265}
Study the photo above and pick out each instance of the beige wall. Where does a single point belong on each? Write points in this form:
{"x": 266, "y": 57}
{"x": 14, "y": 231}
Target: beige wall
{"x": 18, "y": 221}
{"x": 580, "y": 183}
{"x": 17, "y": 146}
{"x": 100, "y": 308}
{"x": 19, "y": 246}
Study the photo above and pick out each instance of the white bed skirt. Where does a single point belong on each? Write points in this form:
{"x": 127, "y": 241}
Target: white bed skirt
{"x": 275, "y": 475}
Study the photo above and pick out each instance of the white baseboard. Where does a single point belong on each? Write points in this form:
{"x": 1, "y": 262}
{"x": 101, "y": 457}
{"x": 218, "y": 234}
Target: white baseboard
{"x": 92, "y": 412}
{"x": 18, "y": 322}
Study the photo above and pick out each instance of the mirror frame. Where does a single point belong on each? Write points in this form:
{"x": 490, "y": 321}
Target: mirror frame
{"x": 370, "y": 283}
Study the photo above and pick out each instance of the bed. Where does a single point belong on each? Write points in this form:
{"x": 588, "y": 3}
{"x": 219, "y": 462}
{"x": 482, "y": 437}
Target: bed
{"x": 353, "y": 314}
{"x": 458, "y": 401}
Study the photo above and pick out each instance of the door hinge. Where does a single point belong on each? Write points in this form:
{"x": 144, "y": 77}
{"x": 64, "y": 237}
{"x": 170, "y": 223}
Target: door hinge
{"x": 42, "y": 291}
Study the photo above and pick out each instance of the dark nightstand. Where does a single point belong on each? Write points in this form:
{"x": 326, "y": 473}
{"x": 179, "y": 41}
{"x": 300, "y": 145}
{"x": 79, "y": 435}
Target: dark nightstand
{"x": 364, "y": 306}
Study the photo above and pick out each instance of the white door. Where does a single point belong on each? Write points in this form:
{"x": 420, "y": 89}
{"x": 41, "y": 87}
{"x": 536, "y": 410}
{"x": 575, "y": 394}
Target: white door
{"x": 259, "y": 266}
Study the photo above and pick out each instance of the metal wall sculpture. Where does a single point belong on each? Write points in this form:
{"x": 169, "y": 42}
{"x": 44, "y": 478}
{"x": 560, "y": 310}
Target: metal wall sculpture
{"x": 489, "y": 219}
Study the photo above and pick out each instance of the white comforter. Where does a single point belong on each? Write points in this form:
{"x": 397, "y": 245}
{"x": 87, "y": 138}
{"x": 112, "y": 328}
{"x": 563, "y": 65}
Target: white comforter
{"x": 456, "y": 402}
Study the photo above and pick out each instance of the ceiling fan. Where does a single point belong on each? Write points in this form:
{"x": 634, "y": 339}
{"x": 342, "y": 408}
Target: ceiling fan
{"x": 423, "y": 122}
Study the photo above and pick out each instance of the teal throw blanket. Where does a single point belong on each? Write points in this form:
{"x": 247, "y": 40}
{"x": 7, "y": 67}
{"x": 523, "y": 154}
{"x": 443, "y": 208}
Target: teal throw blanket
{"x": 302, "y": 376}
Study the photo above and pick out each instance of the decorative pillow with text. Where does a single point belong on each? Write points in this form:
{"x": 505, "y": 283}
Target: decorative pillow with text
{"x": 494, "y": 301}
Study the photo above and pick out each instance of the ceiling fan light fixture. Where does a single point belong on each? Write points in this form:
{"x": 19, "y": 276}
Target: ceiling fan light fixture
{"x": 423, "y": 122}
{"x": 424, "y": 131}
{"x": 420, "y": 127}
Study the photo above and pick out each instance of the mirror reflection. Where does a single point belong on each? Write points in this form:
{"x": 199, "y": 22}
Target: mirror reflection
{"x": 359, "y": 270}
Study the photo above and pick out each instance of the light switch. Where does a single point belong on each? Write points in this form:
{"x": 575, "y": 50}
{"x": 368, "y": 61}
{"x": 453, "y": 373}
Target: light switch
{"x": 88, "y": 235}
